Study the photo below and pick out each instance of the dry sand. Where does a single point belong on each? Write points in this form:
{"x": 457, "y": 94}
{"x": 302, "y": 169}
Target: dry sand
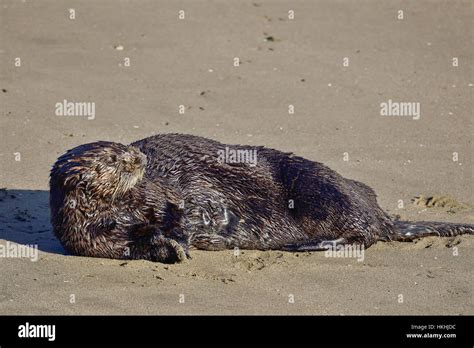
{"x": 337, "y": 110}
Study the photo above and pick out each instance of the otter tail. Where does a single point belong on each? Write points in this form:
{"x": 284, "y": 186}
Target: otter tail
{"x": 406, "y": 231}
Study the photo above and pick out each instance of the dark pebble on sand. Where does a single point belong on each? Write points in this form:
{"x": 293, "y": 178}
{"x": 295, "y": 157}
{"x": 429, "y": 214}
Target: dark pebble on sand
{"x": 4, "y": 90}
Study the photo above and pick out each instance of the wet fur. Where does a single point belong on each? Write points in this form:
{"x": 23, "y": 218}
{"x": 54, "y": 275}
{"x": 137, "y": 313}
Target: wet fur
{"x": 101, "y": 206}
{"x": 186, "y": 195}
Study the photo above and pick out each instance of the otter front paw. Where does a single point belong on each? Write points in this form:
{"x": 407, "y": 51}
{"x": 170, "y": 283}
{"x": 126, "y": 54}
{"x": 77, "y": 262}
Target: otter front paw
{"x": 167, "y": 250}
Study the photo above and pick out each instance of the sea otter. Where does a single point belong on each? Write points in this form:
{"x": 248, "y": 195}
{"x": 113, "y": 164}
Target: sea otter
{"x": 102, "y": 206}
{"x": 163, "y": 194}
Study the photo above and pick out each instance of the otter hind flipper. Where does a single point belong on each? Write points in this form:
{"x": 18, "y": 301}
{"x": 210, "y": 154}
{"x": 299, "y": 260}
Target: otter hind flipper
{"x": 407, "y": 231}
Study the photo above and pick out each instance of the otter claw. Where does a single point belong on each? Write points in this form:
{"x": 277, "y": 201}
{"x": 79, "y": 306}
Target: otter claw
{"x": 180, "y": 252}
{"x": 166, "y": 250}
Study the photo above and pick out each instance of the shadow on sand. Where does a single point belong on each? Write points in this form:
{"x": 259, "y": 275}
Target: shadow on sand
{"x": 24, "y": 219}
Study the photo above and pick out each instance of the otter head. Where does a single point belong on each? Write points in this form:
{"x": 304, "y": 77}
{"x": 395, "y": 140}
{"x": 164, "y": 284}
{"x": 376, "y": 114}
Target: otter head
{"x": 101, "y": 169}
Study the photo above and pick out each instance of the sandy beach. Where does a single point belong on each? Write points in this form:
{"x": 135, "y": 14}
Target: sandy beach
{"x": 310, "y": 79}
